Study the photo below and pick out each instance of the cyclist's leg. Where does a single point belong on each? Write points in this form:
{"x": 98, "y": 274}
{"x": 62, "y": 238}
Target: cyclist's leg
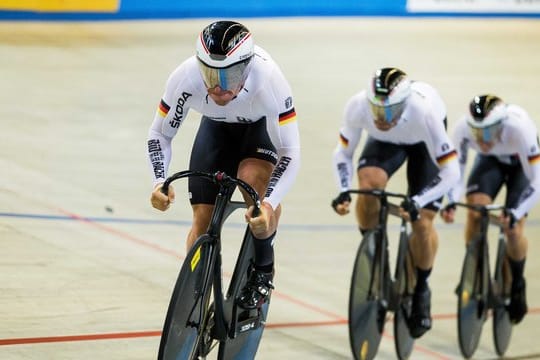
{"x": 484, "y": 183}
{"x": 256, "y": 168}
{"x": 421, "y": 171}
{"x": 377, "y": 163}
{"x": 210, "y": 153}
{"x": 257, "y": 172}
{"x": 201, "y": 219}
{"x": 472, "y": 224}
{"x": 517, "y": 245}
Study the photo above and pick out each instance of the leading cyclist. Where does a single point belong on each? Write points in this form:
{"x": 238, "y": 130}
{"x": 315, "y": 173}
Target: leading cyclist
{"x": 248, "y": 129}
{"x": 506, "y": 141}
{"x": 405, "y": 121}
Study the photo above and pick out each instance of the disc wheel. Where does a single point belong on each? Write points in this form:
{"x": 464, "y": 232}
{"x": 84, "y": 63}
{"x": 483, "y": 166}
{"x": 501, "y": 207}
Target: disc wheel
{"x": 367, "y": 308}
{"x": 405, "y": 282}
{"x": 502, "y": 327}
{"x": 189, "y": 307}
{"x": 472, "y": 299}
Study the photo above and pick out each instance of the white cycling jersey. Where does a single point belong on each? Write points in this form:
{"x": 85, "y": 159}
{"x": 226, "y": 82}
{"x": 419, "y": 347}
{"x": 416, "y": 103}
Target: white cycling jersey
{"x": 266, "y": 94}
{"x": 519, "y": 136}
{"x": 422, "y": 120}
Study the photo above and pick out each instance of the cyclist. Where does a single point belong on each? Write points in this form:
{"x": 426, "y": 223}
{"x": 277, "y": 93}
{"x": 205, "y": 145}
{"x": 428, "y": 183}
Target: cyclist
{"x": 405, "y": 121}
{"x": 248, "y": 129}
{"x": 506, "y": 141}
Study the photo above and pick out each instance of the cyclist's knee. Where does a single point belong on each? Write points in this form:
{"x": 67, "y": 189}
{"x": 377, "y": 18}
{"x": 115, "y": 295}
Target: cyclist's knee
{"x": 201, "y": 217}
{"x": 371, "y": 177}
{"x": 473, "y": 219}
{"x": 423, "y": 227}
{"x": 255, "y": 172}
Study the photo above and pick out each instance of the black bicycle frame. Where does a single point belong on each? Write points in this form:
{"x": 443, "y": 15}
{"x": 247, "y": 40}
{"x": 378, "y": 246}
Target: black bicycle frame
{"x": 381, "y": 229}
{"x": 223, "y": 207}
{"x": 486, "y": 218}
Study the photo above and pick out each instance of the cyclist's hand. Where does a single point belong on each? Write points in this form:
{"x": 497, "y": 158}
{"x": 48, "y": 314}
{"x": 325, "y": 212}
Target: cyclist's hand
{"x": 448, "y": 213}
{"x": 341, "y": 203}
{"x": 410, "y": 210}
{"x": 509, "y": 219}
{"x": 161, "y": 201}
{"x": 263, "y": 225}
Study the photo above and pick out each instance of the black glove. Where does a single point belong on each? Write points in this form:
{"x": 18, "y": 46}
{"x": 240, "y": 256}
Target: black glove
{"x": 412, "y": 208}
{"x": 341, "y": 198}
{"x": 450, "y": 206}
{"x": 512, "y": 217}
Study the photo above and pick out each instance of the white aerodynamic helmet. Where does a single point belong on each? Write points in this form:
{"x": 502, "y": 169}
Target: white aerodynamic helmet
{"x": 225, "y": 50}
{"x": 387, "y": 91}
{"x": 487, "y": 113}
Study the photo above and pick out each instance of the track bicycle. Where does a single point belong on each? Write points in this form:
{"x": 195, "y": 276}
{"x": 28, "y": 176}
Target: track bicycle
{"x": 374, "y": 292}
{"x": 200, "y": 317}
{"x": 478, "y": 292}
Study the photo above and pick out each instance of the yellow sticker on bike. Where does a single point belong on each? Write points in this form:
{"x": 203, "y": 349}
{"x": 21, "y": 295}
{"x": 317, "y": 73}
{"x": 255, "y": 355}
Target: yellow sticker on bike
{"x": 364, "y": 350}
{"x": 195, "y": 259}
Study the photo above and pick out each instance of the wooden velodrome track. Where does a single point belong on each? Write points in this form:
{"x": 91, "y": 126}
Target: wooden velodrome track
{"x": 87, "y": 266}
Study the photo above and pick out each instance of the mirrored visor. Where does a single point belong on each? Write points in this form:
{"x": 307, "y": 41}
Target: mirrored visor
{"x": 487, "y": 134}
{"x": 230, "y": 78}
{"x": 389, "y": 113}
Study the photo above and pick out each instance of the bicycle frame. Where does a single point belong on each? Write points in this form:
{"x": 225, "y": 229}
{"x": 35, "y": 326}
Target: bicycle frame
{"x": 368, "y": 304}
{"x": 381, "y": 228}
{"x": 208, "y": 255}
{"x": 478, "y": 291}
{"x": 486, "y": 220}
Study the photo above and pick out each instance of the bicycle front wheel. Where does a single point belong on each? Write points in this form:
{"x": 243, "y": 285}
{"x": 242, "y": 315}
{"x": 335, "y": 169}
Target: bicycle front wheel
{"x": 184, "y": 334}
{"x": 405, "y": 282}
{"x": 472, "y": 298}
{"x": 367, "y": 311}
{"x": 502, "y": 327}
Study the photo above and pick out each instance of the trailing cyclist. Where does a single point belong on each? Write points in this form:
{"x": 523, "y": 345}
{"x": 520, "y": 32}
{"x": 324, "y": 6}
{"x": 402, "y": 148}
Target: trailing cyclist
{"x": 405, "y": 121}
{"x": 505, "y": 139}
{"x": 248, "y": 129}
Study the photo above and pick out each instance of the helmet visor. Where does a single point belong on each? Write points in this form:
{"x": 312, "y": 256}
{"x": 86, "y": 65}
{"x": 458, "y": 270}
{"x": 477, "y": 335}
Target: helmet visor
{"x": 230, "y": 78}
{"x": 486, "y": 134}
{"x": 388, "y": 113}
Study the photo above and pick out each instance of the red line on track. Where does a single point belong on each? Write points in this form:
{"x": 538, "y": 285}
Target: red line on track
{"x": 68, "y": 338}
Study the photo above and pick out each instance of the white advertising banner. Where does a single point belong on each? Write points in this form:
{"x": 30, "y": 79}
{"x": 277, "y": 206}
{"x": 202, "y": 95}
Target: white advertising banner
{"x": 472, "y": 6}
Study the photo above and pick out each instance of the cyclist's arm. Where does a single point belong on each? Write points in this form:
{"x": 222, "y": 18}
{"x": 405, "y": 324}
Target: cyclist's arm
{"x": 526, "y": 139}
{"x": 446, "y": 160}
{"x": 283, "y": 129}
{"x": 349, "y": 137}
{"x": 462, "y": 141}
{"x": 172, "y": 109}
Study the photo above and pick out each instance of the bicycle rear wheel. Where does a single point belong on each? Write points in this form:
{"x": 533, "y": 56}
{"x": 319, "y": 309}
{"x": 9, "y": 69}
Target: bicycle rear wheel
{"x": 472, "y": 298}
{"x": 189, "y": 308}
{"x": 502, "y": 327}
{"x": 405, "y": 282}
{"x": 367, "y": 312}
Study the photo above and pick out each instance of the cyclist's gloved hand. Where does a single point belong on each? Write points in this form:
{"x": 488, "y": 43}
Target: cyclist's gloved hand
{"x": 341, "y": 199}
{"x": 450, "y": 206}
{"x": 412, "y": 208}
{"x": 447, "y": 212}
{"x": 511, "y": 218}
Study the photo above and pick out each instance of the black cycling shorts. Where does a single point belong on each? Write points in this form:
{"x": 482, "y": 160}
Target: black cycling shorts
{"x": 489, "y": 174}
{"x": 221, "y": 146}
{"x": 421, "y": 170}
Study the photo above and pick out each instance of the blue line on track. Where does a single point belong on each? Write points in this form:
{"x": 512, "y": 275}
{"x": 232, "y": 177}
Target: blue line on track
{"x": 296, "y": 227}
{"x": 290, "y": 227}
